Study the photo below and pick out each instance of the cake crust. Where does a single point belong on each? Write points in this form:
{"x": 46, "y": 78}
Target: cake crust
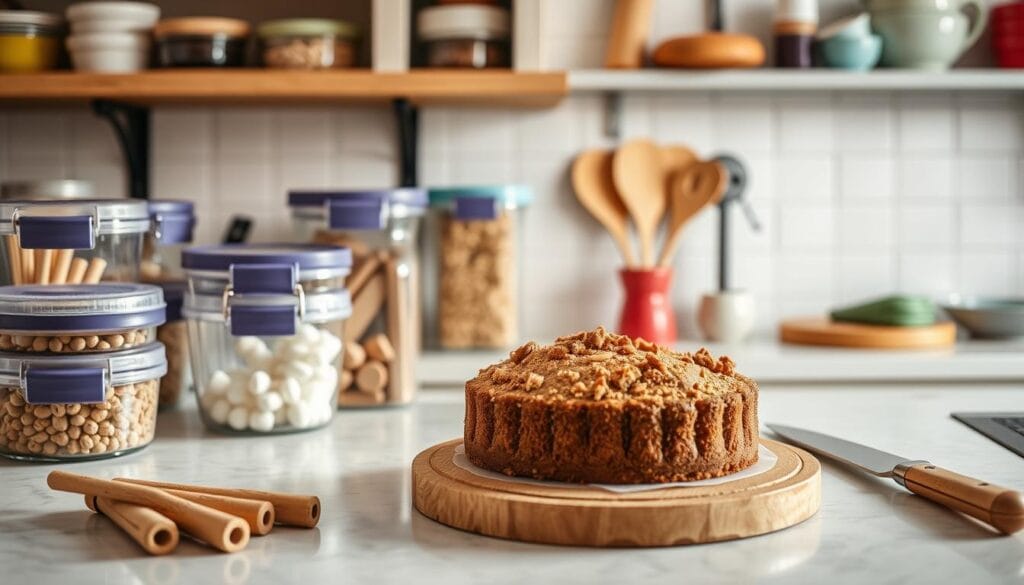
{"x": 596, "y": 407}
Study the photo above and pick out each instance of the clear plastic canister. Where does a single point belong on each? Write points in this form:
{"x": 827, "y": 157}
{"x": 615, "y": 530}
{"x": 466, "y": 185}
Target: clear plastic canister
{"x": 266, "y": 324}
{"x": 171, "y": 227}
{"x": 475, "y": 236}
{"x": 79, "y": 370}
{"x": 72, "y": 242}
{"x": 174, "y": 335}
{"x": 382, "y": 337}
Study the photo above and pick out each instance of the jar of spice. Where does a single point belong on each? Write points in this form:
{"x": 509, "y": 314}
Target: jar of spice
{"x": 79, "y": 370}
{"x": 383, "y": 335}
{"x": 173, "y": 334}
{"x": 204, "y": 41}
{"x": 475, "y": 234}
{"x": 465, "y": 36}
{"x": 265, "y": 329}
{"x": 172, "y": 224}
{"x": 308, "y": 43}
{"x": 29, "y": 41}
{"x": 73, "y": 241}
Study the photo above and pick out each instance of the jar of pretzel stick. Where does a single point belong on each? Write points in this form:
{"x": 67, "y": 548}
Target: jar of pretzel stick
{"x": 79, "y": 370}
{"x": 72, "y": 242}
{"x": 382, "y": 337}
{"x": 172, "y": 224}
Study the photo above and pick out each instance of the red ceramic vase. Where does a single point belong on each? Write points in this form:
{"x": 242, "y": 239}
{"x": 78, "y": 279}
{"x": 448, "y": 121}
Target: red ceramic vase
{"x": 647, "y": 311}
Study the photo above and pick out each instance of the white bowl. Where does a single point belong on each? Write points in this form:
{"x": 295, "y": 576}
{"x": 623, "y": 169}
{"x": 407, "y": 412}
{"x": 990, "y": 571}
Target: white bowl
{"x": 111, "y": 41}
{"x": 109, "y": 60}
{"x": 107, "y": 26}
{"x": 727, "y": 316}
{"x": 142, "y": 13}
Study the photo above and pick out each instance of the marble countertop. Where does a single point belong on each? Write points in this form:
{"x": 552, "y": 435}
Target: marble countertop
{"x": 867, "y": 531}
{"x": 768, "y": 360}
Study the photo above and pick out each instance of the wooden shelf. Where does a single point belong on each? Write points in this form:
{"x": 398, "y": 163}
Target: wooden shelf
{"x": 266, "y": 86}
{"x": 777, "y": 80}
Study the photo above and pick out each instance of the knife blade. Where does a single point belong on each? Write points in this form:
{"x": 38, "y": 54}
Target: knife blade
{"x": 999, "y": 507}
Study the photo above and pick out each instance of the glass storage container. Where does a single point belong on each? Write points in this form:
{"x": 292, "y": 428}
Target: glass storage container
{"x": 46, "y": 189}
{"x": 308, "y": 43}
{"x": 79, "y": 370}
{"x": 201, "y": 41}
{"x": 173, "y": 334}
{"x": 382, "y": 337}
{"x": 265, "y": 326}
{"x": 29, "y": 41}
{"x": 72, "y": 242}
{"x": 475, "y": 233}
{"x": 465, "y": 36}
{"x": 172, "y": 223}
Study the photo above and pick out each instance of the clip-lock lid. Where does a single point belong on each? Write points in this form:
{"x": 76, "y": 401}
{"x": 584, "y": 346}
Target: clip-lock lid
{"x": 329, "y": 260}
{"x": 80, "y": 308}
{"x": 80, "y": 378}
{"x": 360, "y": 209}
{"x": 173, "y": 220}
{"x": 480, "y": 202}
{"x": 71, "y": 224}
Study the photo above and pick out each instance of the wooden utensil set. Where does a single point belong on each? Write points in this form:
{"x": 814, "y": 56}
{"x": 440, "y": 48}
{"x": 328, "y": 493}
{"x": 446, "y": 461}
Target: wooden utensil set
{"x": 151, "y": 512}
{"x": 51, "y": 266}
{"x": 646, "y": 183}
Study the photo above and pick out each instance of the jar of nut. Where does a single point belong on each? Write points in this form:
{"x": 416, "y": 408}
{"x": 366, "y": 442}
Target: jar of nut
{"x": 174, "y": 335}
{"x": 465, "y": 36}
{"x": 72, "y": 241}
{"x": 382, "y": 337}
{"x": 474, "y": 233}
{"x": 79, "y": 370}
{"x": 266, "y": 324}
{"x": 308, "y": 43}
{"x": 172, "y": 223}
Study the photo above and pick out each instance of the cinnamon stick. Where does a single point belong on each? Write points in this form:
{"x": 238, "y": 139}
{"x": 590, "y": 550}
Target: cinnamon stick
{"x": 44, "y": 264}
{"x": 77, "y": 271}
{"x": 290, "y": 509}
{"x": 258, "y": 514}
{"x": 218, "y": 529}
{"x": 153, "y": 531}
{"x": 13, "y": 258}
{"x": 362, "y": 274}
{"x": 95, "y": 271}
{"x": 61, "y": 265}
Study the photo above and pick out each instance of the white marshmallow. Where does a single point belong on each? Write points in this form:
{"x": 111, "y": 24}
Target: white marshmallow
{"x": 328, "y": 348}
{"x": 297, "y": 350}
{"x": 261, "y": 421}
{"x": 249, "y": 345}
{"x": 309, "y": 333}
{"x": 280, "y": 417}
{"x": 299, "y": 370}
{"x": 269, "y": 402}
{"x": 291, "y": 390}
{"x": 238, "y": 418}
{"x": 219, "y": 411}
{"x": 260, "y": 359}
{"x": 238, "y": 394}
{"x": 259, "y": 382}
{"x": 299, "y": 415}
{"x": 218, "y": 383}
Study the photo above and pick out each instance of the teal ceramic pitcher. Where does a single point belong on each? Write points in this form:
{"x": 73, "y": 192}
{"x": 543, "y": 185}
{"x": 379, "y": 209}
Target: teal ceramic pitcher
{"x": 926, "y": 34}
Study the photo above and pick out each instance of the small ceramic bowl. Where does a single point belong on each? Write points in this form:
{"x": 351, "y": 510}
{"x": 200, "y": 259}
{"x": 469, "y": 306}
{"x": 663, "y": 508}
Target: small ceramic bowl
{"x": 854, "y": 54}
{"x": 852, "y": 27}
{"x": 988, "y": 318}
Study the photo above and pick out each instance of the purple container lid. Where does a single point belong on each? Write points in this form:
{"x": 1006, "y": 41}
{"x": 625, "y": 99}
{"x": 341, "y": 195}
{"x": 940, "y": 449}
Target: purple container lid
{"x": 173, "y": 220}
{"x": 174, "y": 296}
{"x": 220, "y": 258}
{"x": 409, "y": 196}
{"x": 80, "y": 308}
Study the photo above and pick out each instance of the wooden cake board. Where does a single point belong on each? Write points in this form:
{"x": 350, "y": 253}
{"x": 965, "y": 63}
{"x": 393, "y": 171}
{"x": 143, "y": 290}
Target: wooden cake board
{"x": 787, "y": 494}
{"x": 823, "y": 331}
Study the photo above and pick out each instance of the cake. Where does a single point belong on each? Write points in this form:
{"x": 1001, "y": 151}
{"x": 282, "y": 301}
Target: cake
{"x": 596, "y": 407}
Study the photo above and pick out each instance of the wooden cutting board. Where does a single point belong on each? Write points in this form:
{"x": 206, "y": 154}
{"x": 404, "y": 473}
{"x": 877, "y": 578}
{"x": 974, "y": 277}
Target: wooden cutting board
{"x": 787, "y": 494}
{"x": 824, "y": 331}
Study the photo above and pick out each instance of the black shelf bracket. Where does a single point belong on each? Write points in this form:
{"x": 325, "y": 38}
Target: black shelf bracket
{"x": 407, "y": 120}
{"x": 131, "y": 126}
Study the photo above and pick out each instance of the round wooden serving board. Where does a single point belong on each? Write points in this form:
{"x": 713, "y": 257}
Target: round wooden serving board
{"x": 787, "y": 494}
{"x": 824, "y": 331}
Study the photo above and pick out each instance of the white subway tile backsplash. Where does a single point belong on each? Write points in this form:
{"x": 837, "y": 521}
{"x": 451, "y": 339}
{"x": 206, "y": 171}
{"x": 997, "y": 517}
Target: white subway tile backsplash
{"x": 305, "y": 130}
{"x": 865, "y": 228}
{"x": 987, "y": 177}
{"x": 42, "y": 136}
{"x": 990, "y": 128}
{"x": 547, "y": 133}
{"x": 927, "y": 226}
{"x": 805, "y": 125}
{"x": 927, "y": 273}
{"x": 864, "y": 123}
{"x": 683, "y": 120}
{"x": 864, "y": 276}
{"x": 989, "y": 273}
{"x": 244, "y": 133}
{"x": 866, "y": 177}
{"x": 92, "y": 142}
{"x": 367, "y": 131}
{"x": 804, "y": 178}
{"x": 807, "y": 227}
{"x": 182, "y": 134}
{"x": 926, "y": 123}
{"x": 996, "y": 225}
{"x": 805, "y": 275}
{"x": 926, "y": 177}
{"x": 744, "y": 125}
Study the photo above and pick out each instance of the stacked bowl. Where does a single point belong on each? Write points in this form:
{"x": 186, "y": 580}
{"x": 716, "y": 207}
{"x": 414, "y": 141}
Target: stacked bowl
{"x": 1008, "y": 35}
{"x": 111, "y": 37}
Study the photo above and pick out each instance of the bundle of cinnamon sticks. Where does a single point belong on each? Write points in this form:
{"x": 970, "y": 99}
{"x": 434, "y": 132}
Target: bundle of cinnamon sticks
{"x": 151, "y": 512}
{"x": 51, "y": 266}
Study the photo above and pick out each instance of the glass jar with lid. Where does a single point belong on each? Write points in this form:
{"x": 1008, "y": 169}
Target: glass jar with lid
{"x": 29, "y": 41}
{"x": 465, "y": 36}
{"x": 172, "y": 226}
{"x": 308, "y": 43}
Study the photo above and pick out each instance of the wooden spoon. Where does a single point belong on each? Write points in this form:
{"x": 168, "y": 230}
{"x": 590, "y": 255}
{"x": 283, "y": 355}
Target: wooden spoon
{"x": 640, "y": 181}
{"x": 674, "y": 160}
{"x": 700, "y": 185}
{"x": 592, "y": 181}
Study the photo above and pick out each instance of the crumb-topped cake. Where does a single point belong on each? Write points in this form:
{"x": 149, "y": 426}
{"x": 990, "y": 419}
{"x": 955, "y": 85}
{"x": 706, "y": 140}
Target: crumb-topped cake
{"x": 596, "y": 407}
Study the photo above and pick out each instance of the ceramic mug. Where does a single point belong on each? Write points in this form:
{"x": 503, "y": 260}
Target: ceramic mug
{"x": 727, "y": 316}
{"x": 925, "y": 34}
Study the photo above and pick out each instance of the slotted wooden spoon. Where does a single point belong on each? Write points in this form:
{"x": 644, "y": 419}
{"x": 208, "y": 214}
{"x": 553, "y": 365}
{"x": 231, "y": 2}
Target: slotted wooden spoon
{"x": 698, "y": 186}
{"x": 595, "y": 190}
{"x": 640, "y": 180}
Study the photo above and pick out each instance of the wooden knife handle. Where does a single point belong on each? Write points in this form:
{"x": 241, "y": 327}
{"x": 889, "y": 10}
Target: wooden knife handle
{"x": 999, "y": 507}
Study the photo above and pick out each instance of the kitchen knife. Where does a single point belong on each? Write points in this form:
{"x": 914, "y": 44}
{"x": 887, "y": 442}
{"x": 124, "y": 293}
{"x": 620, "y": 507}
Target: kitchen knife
{"x": 999, "y": 507}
